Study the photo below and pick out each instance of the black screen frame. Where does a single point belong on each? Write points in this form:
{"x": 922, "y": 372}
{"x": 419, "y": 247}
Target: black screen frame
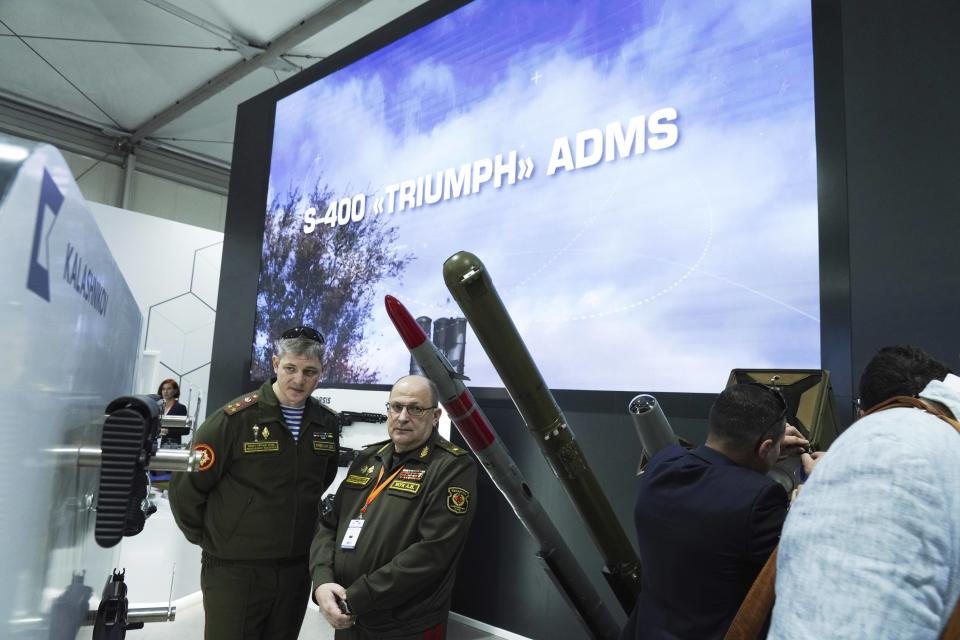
{"x": 243, "y": 232}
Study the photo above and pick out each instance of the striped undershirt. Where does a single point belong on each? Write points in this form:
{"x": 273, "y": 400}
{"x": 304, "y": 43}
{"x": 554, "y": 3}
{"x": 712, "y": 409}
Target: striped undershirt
{"x": 293, "y": 416}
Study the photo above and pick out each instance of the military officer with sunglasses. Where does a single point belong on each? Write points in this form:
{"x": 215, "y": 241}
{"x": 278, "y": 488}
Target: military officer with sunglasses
{"x": 384, "y": 558}
{"x": 265, "y": 460}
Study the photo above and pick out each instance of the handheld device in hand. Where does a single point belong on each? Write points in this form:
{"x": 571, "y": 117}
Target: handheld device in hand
{"x": 342, "y": 603}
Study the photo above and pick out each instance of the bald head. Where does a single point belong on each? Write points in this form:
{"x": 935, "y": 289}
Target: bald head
{"x": 413, "y": 414}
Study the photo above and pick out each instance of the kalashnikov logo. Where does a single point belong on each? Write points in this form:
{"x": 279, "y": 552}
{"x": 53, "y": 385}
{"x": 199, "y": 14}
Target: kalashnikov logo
{"x": 75, "y": 271}
{"x": 38, "y": 275}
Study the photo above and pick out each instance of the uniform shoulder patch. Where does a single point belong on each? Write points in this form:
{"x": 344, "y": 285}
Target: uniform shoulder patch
{"x": 448, "y": 446}
{"x": 206, "y": 455}
{"x": 241, "y": 403}
{"x": 458, "y": 500}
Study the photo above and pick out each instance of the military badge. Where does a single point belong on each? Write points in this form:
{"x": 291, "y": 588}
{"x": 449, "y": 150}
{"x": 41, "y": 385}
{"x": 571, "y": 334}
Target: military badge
{"x": 256, "y": 432}
{"x": 266, "y": 432}
{"x": 368, "y": 469}
{"x": 412, "y": 475}
{"x": 425, "y": 452}
{"x": 207, "y": 457}
{"x": 457, "y": 500}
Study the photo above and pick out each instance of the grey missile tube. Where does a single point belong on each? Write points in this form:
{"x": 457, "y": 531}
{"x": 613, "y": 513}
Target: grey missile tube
{"x": 652, "y": 426}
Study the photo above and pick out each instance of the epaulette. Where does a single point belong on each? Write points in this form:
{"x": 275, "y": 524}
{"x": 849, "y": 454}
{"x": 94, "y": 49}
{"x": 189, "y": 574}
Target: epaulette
{"x": 241, "y": 403}
{"x": 446, "y": 445}
{"x": 377, "y": 444}
{"x": 328, "y": 408}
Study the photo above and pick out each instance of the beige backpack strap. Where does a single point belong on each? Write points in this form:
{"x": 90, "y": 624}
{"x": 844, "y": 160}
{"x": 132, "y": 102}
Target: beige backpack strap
{"x": 755, "y": 610}
{"x": 952, "y": 630}
{"x": 916, "y": 403}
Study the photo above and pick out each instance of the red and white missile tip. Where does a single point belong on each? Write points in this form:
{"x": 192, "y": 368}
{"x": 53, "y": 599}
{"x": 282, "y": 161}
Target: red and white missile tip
{"x": 413, "y": 336}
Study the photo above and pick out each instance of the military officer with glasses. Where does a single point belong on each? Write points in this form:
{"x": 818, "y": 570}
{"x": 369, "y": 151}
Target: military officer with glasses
{"x": 383, "y": 560}
{"x": 266, "y": 459}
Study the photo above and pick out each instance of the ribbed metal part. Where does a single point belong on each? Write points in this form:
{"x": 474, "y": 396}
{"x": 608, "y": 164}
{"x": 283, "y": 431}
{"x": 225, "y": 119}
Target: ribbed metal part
{"x": 122, "y": 442}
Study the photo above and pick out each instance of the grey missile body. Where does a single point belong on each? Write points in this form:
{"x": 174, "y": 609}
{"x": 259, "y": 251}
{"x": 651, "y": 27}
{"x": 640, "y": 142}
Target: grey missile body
{"x": 472, "y": 287}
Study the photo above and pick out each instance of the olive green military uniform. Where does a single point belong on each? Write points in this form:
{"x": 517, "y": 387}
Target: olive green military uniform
{"x": 400, "y": 575}
{"x": 253, "y": 508}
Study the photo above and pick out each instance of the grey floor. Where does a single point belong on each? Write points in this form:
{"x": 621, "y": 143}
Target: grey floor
{"x": 189, "y": 626}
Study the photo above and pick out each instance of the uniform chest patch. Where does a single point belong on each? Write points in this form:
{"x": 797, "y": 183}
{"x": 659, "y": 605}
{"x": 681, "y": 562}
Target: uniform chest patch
{"x": 457, "y": 500}
{"x": 360, "y": 481}
{"x": 261, "y": 446}
{"x": 405, "y": 486}
{"x": 413, "y": 475}
{"x": 323, "y": 441}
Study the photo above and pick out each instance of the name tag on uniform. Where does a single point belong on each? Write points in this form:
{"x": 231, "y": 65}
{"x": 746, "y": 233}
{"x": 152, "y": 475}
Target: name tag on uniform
{"x": 353, "y": 532}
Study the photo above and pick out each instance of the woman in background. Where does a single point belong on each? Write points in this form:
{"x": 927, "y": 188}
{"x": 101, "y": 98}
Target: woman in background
{"x": 169, "y": 391}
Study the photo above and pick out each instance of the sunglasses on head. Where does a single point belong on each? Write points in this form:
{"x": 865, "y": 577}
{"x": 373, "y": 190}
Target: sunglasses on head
{"x": 783, "y": 408}
{"x": 302, "y": 332}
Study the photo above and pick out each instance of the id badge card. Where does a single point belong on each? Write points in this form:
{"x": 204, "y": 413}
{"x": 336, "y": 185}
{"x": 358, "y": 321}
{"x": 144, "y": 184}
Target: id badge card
{"x": 353, "y": 532}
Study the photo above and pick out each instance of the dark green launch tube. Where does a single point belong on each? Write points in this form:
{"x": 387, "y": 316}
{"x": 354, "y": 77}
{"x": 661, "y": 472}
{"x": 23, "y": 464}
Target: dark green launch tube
{"x": 472, "y": 288}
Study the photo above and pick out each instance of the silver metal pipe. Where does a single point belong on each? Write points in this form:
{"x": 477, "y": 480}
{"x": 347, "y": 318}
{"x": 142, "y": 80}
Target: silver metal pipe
{"x": 176, "y": 421}
{"x": 164, "y": 460}
{"x": 142, "y": 614}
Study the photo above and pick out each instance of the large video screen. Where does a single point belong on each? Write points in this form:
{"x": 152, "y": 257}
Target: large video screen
{"x": 639, "y": 179}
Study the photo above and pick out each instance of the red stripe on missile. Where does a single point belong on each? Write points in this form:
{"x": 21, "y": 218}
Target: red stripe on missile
{"x": 460, "y": 406}
{"x": 472, "y": 423}
{"x": 413, "y": 336}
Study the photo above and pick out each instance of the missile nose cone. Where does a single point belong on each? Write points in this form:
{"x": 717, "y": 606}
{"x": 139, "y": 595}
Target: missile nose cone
{"x": 413, "y": 336}
{"x": 461, "y": 270}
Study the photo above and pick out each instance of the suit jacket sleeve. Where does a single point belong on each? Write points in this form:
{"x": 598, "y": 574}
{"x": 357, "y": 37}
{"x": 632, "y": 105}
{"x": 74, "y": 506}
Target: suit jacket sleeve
{"x": 189, "y": 491}
{"x": 766, "y": 520}
{"x": 442, "y": 535}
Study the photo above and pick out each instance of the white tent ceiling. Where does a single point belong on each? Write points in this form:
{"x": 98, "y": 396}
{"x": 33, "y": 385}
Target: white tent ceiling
{"x": 117, "y": 64}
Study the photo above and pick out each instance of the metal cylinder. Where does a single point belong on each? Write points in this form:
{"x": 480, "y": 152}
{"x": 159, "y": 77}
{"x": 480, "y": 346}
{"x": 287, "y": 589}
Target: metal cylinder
{"x": 652, "y": 426}
{"x": 183, "y": 422}
{"x": 142, "y": 614}
{"x": 175, "y": 460}
{"x": 472, "y": 287}
{"x": 164, "y": 460}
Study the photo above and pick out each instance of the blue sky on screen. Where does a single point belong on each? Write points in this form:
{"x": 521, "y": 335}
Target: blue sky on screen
{"x": 659, "y": 271}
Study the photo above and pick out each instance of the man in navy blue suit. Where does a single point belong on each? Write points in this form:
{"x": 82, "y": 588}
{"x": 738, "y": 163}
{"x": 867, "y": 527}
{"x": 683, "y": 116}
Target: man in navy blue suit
{"x": 708, "y": 518}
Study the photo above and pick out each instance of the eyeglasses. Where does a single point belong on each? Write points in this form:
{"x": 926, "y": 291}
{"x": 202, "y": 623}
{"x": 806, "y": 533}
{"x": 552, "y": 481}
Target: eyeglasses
{"x": 413, "y": 410}
{"x": 302, "y": 332}
{"x": 783, "y": 410}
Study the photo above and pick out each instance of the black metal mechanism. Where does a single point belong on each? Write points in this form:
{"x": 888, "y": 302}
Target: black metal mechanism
{"x": 112, "y": 622}
{"x": 808, "y": 395}
{"x": 347, "y": 418}
{"x": 129, "y": 440}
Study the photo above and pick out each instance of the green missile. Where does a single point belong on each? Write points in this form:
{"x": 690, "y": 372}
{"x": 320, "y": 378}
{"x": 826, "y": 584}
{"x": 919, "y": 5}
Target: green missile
{"x": 472, "y": 287}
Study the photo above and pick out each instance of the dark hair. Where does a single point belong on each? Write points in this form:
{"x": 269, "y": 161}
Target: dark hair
{"x": 176, "y": 388}
{"x": 302, "y": 343}
{"x": 745, "y": 414}
{"x": 900, "y": 370}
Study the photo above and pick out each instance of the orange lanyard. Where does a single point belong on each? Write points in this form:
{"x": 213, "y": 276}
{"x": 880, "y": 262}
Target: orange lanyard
{"x": 379, "y": 487}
